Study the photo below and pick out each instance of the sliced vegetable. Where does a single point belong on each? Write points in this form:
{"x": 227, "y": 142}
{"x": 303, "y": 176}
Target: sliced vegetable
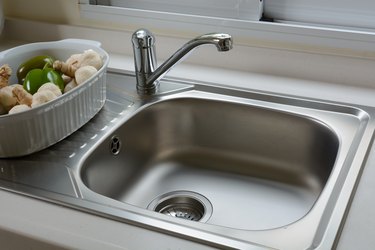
{"x": 37, "y": 62}
{"x": 37, "y": 77}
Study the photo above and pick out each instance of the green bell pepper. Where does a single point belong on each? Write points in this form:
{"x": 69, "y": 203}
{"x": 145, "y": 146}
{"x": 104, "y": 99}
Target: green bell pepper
{"x": 37, "y": 77}
{"x": 37, "y": 62}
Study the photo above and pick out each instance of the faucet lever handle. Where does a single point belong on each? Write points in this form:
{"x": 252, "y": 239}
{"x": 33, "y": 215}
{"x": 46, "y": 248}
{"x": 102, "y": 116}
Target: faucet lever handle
{"x": 144, "y": 58}
{"x": 143, "y": 39}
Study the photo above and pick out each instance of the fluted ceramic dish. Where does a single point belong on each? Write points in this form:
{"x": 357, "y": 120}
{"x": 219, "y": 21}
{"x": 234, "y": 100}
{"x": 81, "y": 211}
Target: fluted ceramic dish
{"x": 36, "y": 129}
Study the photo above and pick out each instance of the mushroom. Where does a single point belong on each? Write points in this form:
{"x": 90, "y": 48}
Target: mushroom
{"x": 90, "y": 58}
{"x": 7, "y": 98}
{"x": 22, "y": 96}
{"x": 73, "y": 59}
{"x": 42, "y": 97}
{"x": 84, "y": 73}
{"x": 52, "y": 87}
{"x": 19, "y": 108}
{"x": 71, "y": 85}
{"x": 76, "y": 61}
{"x": 66, "y": 79}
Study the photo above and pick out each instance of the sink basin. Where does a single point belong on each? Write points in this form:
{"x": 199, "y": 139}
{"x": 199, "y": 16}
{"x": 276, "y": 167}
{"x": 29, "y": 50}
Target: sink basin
{"x": 228, "y": 168}
{"x": 259, "y": 168}
{"x": 251, "y": 168}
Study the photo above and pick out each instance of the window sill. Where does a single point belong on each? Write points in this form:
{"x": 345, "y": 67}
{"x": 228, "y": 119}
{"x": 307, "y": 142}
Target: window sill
{"x": 291, "y": 36}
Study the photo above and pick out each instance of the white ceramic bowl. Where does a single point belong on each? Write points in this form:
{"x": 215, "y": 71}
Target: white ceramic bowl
{"x": 30, "y": 131}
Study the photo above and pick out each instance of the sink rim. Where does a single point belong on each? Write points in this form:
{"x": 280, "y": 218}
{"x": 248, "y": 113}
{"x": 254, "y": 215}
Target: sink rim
{"x": 316, "y": 125}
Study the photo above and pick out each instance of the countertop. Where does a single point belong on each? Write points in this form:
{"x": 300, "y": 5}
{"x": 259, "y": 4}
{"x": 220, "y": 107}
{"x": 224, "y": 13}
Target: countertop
{"x": 36, "y": 224}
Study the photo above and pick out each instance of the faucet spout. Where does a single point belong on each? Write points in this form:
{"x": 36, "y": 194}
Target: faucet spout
{"x": 148, "y": 75}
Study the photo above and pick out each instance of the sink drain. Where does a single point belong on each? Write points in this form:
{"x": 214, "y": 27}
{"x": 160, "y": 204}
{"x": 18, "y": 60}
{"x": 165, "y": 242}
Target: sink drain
{"x": 184, "y": 205}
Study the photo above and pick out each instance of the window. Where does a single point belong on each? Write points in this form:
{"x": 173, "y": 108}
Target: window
{"x": 344, "y": 13}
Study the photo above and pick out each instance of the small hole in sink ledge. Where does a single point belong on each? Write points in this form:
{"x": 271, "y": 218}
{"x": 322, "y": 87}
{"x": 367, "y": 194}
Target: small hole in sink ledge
{"x": 115, "y": 145}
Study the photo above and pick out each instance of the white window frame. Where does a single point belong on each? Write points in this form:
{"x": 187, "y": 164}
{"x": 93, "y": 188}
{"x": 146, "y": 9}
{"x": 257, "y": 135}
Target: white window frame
{"x": 236, "y": 9}
{"x": 251, "y": 33}
{"x": 352, "y": 14}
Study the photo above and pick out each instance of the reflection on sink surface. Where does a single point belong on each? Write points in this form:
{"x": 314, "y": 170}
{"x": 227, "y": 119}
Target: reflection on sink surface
{"x": 259, "y": 168}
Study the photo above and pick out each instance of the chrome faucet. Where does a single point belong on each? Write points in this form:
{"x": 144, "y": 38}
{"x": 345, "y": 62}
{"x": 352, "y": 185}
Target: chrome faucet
{"x": 147, "y": 74}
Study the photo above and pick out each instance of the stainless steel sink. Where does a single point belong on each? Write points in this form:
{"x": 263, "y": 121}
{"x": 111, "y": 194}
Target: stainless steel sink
{"x": 225, "y": 167}
{"x": 260, "y": 168}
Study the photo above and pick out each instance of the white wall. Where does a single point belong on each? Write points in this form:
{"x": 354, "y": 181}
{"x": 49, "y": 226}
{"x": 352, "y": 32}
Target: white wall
{"x": 53, "y": 11}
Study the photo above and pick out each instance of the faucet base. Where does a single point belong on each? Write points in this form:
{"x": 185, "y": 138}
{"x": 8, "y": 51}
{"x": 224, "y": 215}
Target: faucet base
{"x": 148, "y": 90}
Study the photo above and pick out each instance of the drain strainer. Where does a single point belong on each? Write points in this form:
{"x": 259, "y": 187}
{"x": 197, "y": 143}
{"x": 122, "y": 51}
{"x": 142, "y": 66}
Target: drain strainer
{"x": 183, "y": 204}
